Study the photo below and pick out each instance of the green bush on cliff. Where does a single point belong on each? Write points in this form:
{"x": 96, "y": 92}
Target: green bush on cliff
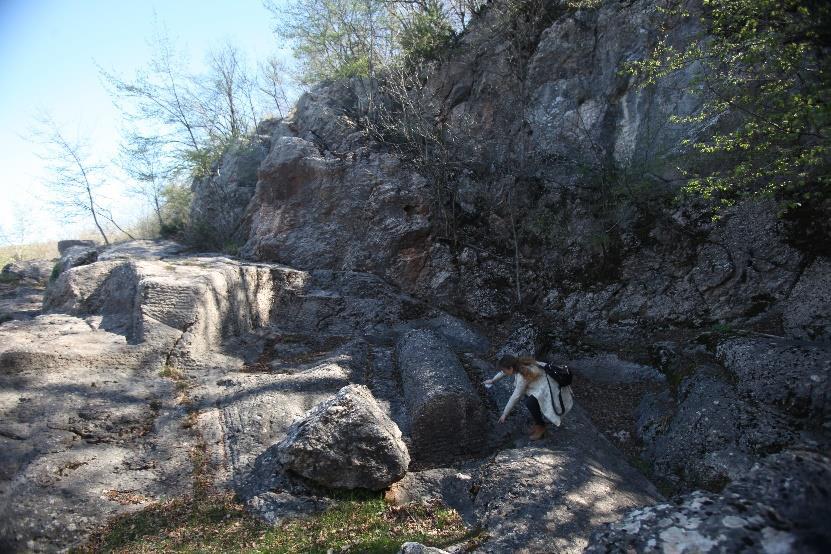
{"x": 427, "y": 35}
{"x": 339, "y": 39}
{"x": 764, "y": 77}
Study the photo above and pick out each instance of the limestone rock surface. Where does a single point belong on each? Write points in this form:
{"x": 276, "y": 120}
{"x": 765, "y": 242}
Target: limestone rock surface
{"x": 64, "y": 245}
{"x": 548, "y": 496}
{"x": 93, "y": 418}
{"x": 418, "y": 548}
{"x": 712, "y": 435}
{"x": 793, "y": 376}
{"x": 78, "y": 255}
{"x": 808, "y": 313}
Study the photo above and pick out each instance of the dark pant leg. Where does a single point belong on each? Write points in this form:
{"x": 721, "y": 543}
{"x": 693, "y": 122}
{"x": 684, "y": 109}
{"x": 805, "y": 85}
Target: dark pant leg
{"x": 534, "y": 407}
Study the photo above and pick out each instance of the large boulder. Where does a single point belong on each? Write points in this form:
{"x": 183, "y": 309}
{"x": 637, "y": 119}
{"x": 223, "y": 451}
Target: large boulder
{"x": 793, "y": 376}
{"x": 64, "y": 245}
{"x": 76, "y": 290}
{"x": 325, "y": 201}
{"x": 346, "y": 442}
{"x": 446, "y": 415}
{"x": 714, "y": 434}
{"x": 780, "y": 506}
{"x": 220, "y": 198}
{"x": 75, "y": 256}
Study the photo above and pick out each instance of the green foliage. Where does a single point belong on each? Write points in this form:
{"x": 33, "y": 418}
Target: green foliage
{"x": 765, "y": 77}
{"x": 200, "y": 161}
{"x": 335, "y": 39}
{"x": 340, "y": 39}
{"x": 176, "y": 209}
{"x": 56, "y": 272}
{"x": 427, "y": 34}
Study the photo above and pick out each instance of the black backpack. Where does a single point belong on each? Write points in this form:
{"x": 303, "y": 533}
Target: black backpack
{"x": 562, "y": 374}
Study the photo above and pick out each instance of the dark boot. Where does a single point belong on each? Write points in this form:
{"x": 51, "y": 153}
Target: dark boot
{"x": 537, "y": 432}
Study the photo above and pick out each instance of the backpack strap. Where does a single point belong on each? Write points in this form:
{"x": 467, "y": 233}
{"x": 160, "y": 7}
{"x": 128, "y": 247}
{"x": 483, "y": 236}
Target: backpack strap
{"x": 559, "y": 394}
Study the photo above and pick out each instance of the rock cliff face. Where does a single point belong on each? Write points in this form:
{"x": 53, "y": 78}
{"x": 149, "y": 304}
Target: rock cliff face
{"x": 581, "y": 134}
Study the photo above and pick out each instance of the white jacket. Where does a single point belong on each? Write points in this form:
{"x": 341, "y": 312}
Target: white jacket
{"x": 539, "y": 389}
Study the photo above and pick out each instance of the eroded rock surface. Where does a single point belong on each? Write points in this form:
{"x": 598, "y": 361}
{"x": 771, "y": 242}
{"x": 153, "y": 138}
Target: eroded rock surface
{"x": 77, "y": 255}
{"x": 793, "y": 376}
{"x": 780, "y": 506}
{"x": 20, "y": 299}
{"x": 308, "y": 197}
{"x": 149, "y": 356}
{"x": 64, "y": 245}
{"x": 89, "y": 430}
{"x": 733, "y": 403}
{"x": 446, "y": 413}
{"x": 548, "y": 497}
{"x": 807, "y": 314}
{"x": 92, "y": 426}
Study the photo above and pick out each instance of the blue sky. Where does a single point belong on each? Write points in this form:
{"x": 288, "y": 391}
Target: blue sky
{"x": 48, "y": 55}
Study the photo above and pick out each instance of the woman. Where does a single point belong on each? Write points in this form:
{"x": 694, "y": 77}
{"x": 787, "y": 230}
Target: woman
{"x": 543, "y": 394}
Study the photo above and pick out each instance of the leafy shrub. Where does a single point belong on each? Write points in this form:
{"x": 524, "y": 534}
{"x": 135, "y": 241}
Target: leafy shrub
{"x": 764, "y": 73}
{"x": 427, "y": 34}
{"x": 176, "y": 209}
{"x": 56, "y": 272}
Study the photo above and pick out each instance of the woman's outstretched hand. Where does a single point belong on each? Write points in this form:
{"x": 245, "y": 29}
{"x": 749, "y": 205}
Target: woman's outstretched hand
{"x": 487, "y": 382}
{"x": 502, "y": 419}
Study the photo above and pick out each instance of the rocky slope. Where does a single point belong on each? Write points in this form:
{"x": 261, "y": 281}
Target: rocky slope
{"x": 150, "y": 362}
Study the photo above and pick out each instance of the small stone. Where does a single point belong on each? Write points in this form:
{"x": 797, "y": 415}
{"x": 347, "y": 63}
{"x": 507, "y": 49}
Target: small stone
{"x": 733, "y": 522}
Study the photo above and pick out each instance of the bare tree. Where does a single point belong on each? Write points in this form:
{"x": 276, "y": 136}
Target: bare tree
{"x": 193, "y": 117}
{"x": 273, "y": 73}
{"x": 163, "y": 101}
{"x": 143, "y": 160}
{"x": 72, "y": 174}
{"x": 225, "y": 91}
{"x": 19, "y": 229}
{"x": 410, "y": 120}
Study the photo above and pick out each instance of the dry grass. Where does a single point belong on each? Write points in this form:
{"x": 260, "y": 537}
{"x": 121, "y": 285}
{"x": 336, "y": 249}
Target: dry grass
{"x": 143, "y": 228}
{"x": 46, "y": 250}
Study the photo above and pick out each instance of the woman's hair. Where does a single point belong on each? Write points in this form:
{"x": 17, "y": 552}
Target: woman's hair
{"x": 525, "y": 365}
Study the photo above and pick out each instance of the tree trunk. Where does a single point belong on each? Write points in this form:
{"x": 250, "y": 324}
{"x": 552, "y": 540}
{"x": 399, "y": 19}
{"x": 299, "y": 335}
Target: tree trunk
{"x": 95, "y": 216}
